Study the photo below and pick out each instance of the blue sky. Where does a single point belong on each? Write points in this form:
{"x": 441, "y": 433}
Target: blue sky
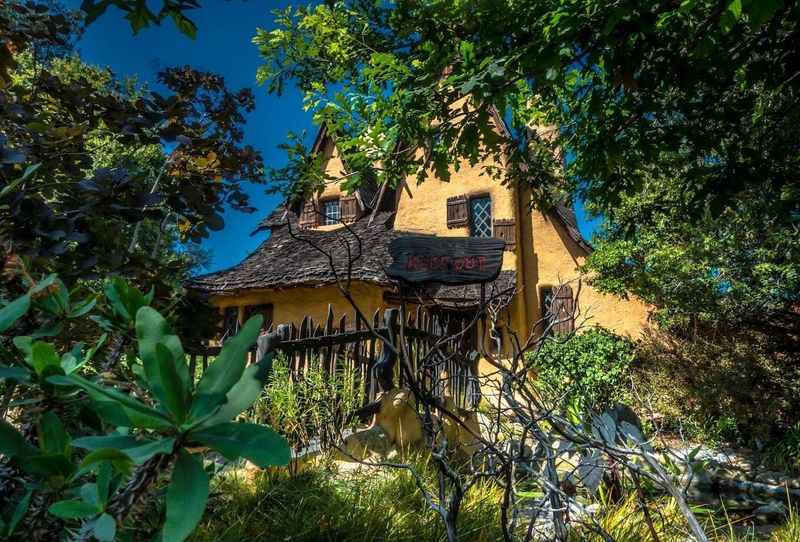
{"x": 223, "y": 46}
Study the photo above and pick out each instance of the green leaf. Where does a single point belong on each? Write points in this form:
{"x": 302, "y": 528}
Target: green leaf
{"x": 15, "y": 310}
{"x": 73, "y": 509}
{"x": 19, "y": 512}
{"x": 105, "y": 528}
{"x": 226, "y": 371}
{"x": 735, "y": 9}
{"x": 12, "y": 443}
{"x": 15, "y": 373}
{"x": 15, "y": 183}
{"x": 258, "y": 443}
{"x": 186, "y": 497}
{"x": 53, "y": 438}
{"x": 174, "y": 394}
{"x": 184, "y": 24}
{"x": 153, "y": 329}
{"x": 244, "y": 393}
{"x": 137, "y": 412}
{"x": 103, "y": 483}
{"x": 82, "y": 307}
{"x": 43, "y": 355}
{"x": 121, "y": 461}
{"x": 138, "y": 450}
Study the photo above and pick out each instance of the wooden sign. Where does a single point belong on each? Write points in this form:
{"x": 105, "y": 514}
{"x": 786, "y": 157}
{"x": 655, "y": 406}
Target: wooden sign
{"x": 446, "y": 260}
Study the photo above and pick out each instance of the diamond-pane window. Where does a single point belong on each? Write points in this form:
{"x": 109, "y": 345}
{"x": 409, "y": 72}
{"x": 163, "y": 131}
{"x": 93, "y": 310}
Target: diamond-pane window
{"x": 480, "y": 217}
{"x": 330, "y": 210}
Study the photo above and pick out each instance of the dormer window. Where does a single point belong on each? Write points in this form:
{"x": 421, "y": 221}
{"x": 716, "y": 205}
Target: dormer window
{"x": 480, "y": 216}
{"x": 330, "y": 212}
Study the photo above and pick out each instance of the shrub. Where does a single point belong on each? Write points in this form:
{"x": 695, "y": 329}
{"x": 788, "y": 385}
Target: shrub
{"x": 717, "y": 387}
{"x": 588, "y": 370}
{"x": 313, "y": 405}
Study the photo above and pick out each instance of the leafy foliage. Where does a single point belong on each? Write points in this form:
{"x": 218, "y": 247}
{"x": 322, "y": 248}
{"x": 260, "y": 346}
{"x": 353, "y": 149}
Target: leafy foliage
{"x": 313, "y": 406}
{"x": 119, "y": 172}
{"x": 586, "y": 370}
{"x": 164, "y": 422}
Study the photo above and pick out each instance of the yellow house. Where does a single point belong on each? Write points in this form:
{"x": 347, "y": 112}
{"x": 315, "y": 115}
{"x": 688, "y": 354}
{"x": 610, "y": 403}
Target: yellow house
{"x": 294, "y": 272}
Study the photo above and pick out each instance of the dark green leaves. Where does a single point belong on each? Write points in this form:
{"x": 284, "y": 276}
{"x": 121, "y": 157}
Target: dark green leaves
{"x": 12, "y": 312}
{"x": 122, "y": 406}
{"x": 175, "y": 396}
{"x": 73, "y": 509}
{"x": 12, "y": 442}
{"x": 226, "y": 371}
{"x": 186, "y": 497}
{"x": 258, "y": 443}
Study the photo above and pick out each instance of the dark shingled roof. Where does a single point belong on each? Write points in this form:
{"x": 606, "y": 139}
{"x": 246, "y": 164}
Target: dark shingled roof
{"x": 289, "y": 259}
{"x": 283, "y": 260}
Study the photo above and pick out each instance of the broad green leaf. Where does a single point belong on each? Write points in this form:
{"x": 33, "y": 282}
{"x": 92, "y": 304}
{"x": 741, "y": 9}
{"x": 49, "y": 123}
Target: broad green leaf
{"x": 73, "y": 509}
{"x": 174, "y": 393}
{"x": 137, "y": 412}
{"x": 82, "y": 307}
{"x": 153, "y": 329}
{"x": 138, "y": 450}
{"x": 43, "y": 355}
{"x": 226, "y": 371}
{"x": 119, "y": 459}
{"x": 53, "y": 438}
{"x": 258, "y": 443}
{"x": 186, "y": 497}
{"x": 12, "y": 443}
{"x": 89, "y": 494}
{"x": 12, "y": 312}
{"x": 109, "y": 441}
{"x": 18, "y": 374}
{"x": 105, "y": 528}
{"x": 244, "y": 393}
{"x": 103, "y": 483}
{"x": 19, "y": 512}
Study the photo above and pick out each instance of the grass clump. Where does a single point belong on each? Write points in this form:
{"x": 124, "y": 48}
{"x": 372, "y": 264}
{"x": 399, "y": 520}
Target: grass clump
{"x": 322, "y": 504}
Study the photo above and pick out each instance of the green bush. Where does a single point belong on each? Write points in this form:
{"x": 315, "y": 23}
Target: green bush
{"x": 314, "y": 405}
{"x": 718, "y": 388}
{"x": 587, "y": 370}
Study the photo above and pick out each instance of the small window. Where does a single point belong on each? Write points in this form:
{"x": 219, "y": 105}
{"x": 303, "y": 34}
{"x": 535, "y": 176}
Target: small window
{"x": 480, "y": 217}
{"x": 330, "y": 210}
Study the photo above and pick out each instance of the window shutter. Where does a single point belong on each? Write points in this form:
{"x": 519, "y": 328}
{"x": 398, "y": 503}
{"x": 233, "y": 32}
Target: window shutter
{"x": 562, "y": 310}
{"x": 504, "y": 228}
{"x": 457, "y": 212}
{"x": 348, "y": 209}
{"x": 308, "y": 217}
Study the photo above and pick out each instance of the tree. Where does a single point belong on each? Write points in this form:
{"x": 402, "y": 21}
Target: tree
{"x": 110, "y": 172}
{"x": 738, "y": 271}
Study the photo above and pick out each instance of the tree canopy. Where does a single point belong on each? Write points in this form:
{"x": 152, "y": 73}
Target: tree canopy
{"x": 102, "y": 176}
{"x": 677, "y": 121}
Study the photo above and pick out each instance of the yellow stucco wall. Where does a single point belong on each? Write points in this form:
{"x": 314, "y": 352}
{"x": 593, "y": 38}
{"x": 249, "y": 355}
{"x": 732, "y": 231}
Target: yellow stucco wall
{"x": 294, "y": 304}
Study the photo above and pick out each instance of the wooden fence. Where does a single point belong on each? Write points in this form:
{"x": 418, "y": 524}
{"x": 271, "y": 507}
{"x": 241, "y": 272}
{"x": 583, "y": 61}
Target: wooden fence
{"x": 438, "y": 356}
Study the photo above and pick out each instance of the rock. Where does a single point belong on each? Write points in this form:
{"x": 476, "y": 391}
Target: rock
{"x": 770, "y": 511}
{"x": 367, "y": 443}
